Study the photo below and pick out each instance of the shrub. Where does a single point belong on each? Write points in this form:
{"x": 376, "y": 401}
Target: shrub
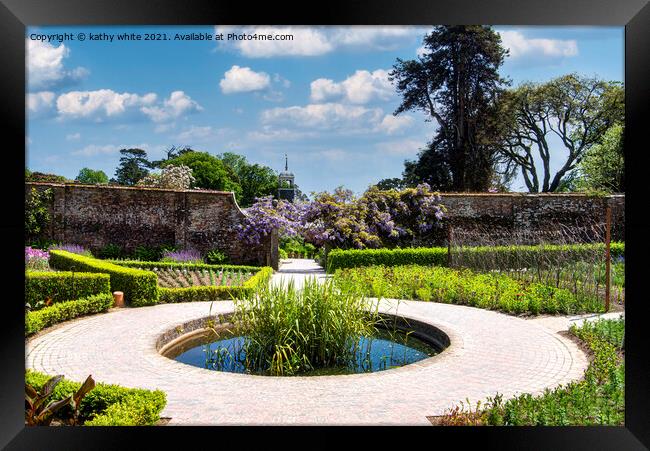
{"x": 110, "y": 251}
{"x": 63, "y": 311}
{"x": 63, "y": 286}
{"x": 139, "y": 287}
{"x": 215, "y": 257}
{"x": 181, "y": 265}
{"x": 37, "y": 214}
{"x": 213, "y": 293}
{"x": 148, "y": 254}
{"x": 501, "y": 257}
{"x": 108, "y": 405}
{"x": 339, "y": 259}
{"x": 462, "y": 286}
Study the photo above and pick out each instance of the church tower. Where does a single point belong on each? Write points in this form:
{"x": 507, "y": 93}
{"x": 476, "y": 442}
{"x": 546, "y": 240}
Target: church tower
{"x": 287, "y": 189}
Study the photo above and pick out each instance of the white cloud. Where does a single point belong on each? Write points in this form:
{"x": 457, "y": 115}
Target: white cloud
{"x": 392, "y": 124}
{"x": 201, "y": 134}
{"x": 73, "y": 137}
{"x": 521, "y": 46}
{"x": 100, "y": 103}
{"x": 361, "y": 87}
{"x": 93, "y": 150}
{"x": 45, "y": 68}
{"x": 324, "y": 116}
{"x": 333, "y": 154}
{"x": 243, "y": 79}
{"x": 39, "y": 102}
{"x": 176, "y": 105}
{"x": 405, "y": 147}
{"x": 314, "y": 41}
{"x": 270, "y": 134}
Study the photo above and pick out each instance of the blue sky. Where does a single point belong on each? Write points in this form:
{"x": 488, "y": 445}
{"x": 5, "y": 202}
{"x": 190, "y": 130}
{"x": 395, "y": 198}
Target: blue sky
{"x": 322, "y": 98}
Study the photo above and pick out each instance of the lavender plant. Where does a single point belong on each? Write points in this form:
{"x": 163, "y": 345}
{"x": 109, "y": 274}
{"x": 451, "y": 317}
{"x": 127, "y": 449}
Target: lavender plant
{"x": 74, "y": 248}
{"x": 184, "y": 256}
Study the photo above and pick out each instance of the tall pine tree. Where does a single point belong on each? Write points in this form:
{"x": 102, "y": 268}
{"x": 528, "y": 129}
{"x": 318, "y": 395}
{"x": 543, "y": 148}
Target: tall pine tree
{"x": 456, "y": 83}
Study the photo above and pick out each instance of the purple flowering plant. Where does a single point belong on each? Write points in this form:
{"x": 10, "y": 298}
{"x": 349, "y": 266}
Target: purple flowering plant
{"x": 74, "y": 248}
{"x": 36, "y": 259}
{"x": 339, "y": 219}
{"x": 182, "y": 256}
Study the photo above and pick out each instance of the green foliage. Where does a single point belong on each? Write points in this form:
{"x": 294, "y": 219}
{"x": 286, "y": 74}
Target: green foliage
{"x": 215, "y": 257}
{"x": 89, "y": 176}
{"x": 209, "y": 171}
{"x": 44, "y": 177}
{"x": 489, "y": 291}
{"x": 63, "y": 311}
{"x": 110, "y": 251}
{"x": 139, "y": 287}
{"x": 603, "y": 166}
{"x": 108, "y": 405}
{"x": 182, "y": 265}
{"x": 291, "y": 331}
{"x": 577, "y": 109}
{"x": 133, "y": 166}
{"x": 255, "y": 180}
{"x": 507, "y": 256}
{"x": 599, "y": 399}
{"x": 37, "y": 413}
{"x": 282, "y": 253}
{"x": 352, "y": 258}
{"x": 63, "y": 286}
{"x": 213, "y": 293}
{"x": 297, "y": 248}
{"x": 455, "y": 83}
{"x": 37, "y": 215}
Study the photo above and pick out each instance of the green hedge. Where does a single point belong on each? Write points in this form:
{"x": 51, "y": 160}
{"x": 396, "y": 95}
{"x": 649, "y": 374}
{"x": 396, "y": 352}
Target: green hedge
{"x": 63, "y": 311}
{"x": 507, "y": 256}
{"x": 107, "y": 405}
{"x": 213, "y": 293}
{"x": 139, "y": 287}
{"x": 63, "y": 286}
{"x": 188, "y": 266}
{"x": 339, "y": 259}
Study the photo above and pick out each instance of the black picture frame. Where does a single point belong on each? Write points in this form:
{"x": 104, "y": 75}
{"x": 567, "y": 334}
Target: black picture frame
{"x": 15, "y": 15}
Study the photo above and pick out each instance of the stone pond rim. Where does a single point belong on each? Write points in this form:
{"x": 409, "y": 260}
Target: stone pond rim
{"x": 189, "y": 333}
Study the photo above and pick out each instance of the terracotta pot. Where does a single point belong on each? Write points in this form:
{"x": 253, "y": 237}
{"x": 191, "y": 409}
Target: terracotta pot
{"x": 118, "y": 296}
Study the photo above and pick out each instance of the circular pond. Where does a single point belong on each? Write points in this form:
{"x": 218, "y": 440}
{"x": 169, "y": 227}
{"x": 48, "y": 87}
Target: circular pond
{"x": 221, "y": 349}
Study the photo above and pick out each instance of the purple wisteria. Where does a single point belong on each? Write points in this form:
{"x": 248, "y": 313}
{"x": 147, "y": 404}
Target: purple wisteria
{"x": 339, "y": 219}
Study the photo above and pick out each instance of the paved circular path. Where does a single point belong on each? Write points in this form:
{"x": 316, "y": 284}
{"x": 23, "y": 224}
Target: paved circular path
{"x": 491, "y": 352}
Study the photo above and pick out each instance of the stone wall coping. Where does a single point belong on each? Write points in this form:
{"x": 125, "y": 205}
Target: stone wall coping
{"x": 442, "y": 194}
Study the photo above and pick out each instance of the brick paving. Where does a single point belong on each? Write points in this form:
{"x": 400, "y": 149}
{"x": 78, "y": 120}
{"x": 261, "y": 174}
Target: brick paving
{"x": 490, "y": 353}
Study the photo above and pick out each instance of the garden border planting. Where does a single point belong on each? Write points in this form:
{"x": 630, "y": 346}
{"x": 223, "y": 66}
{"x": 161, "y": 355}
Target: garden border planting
{"x": 140, "y": 287}
{"x": 437, "y": 256}
{"x": 63, "y": 286}
{"x": 108, "y": 404}
{"x": 63, "y": 311}
{"x": 491, "y": 291}
{"x": 149, "y": 265}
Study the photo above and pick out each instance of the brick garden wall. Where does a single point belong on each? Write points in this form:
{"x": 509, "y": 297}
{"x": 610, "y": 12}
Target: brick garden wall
{"x": 95, "y": 216}
{"x": 530, "y": 214}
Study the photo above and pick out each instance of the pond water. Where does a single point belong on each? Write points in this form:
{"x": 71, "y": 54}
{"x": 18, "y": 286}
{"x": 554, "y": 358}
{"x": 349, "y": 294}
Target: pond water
{"x": 377, "y": 353}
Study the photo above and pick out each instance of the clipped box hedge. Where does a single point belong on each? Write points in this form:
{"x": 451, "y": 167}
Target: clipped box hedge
{"x": 352, "y": 258}
{"x": 188, "y": 266}
{"x": 140, "y": 287}
{"x": 47, "y": 316}
{"x": 106, "y": 404}
{"x": 63, "y": 286}
{"x": 213, "y": 293}
{"x": 506, "y": 256}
